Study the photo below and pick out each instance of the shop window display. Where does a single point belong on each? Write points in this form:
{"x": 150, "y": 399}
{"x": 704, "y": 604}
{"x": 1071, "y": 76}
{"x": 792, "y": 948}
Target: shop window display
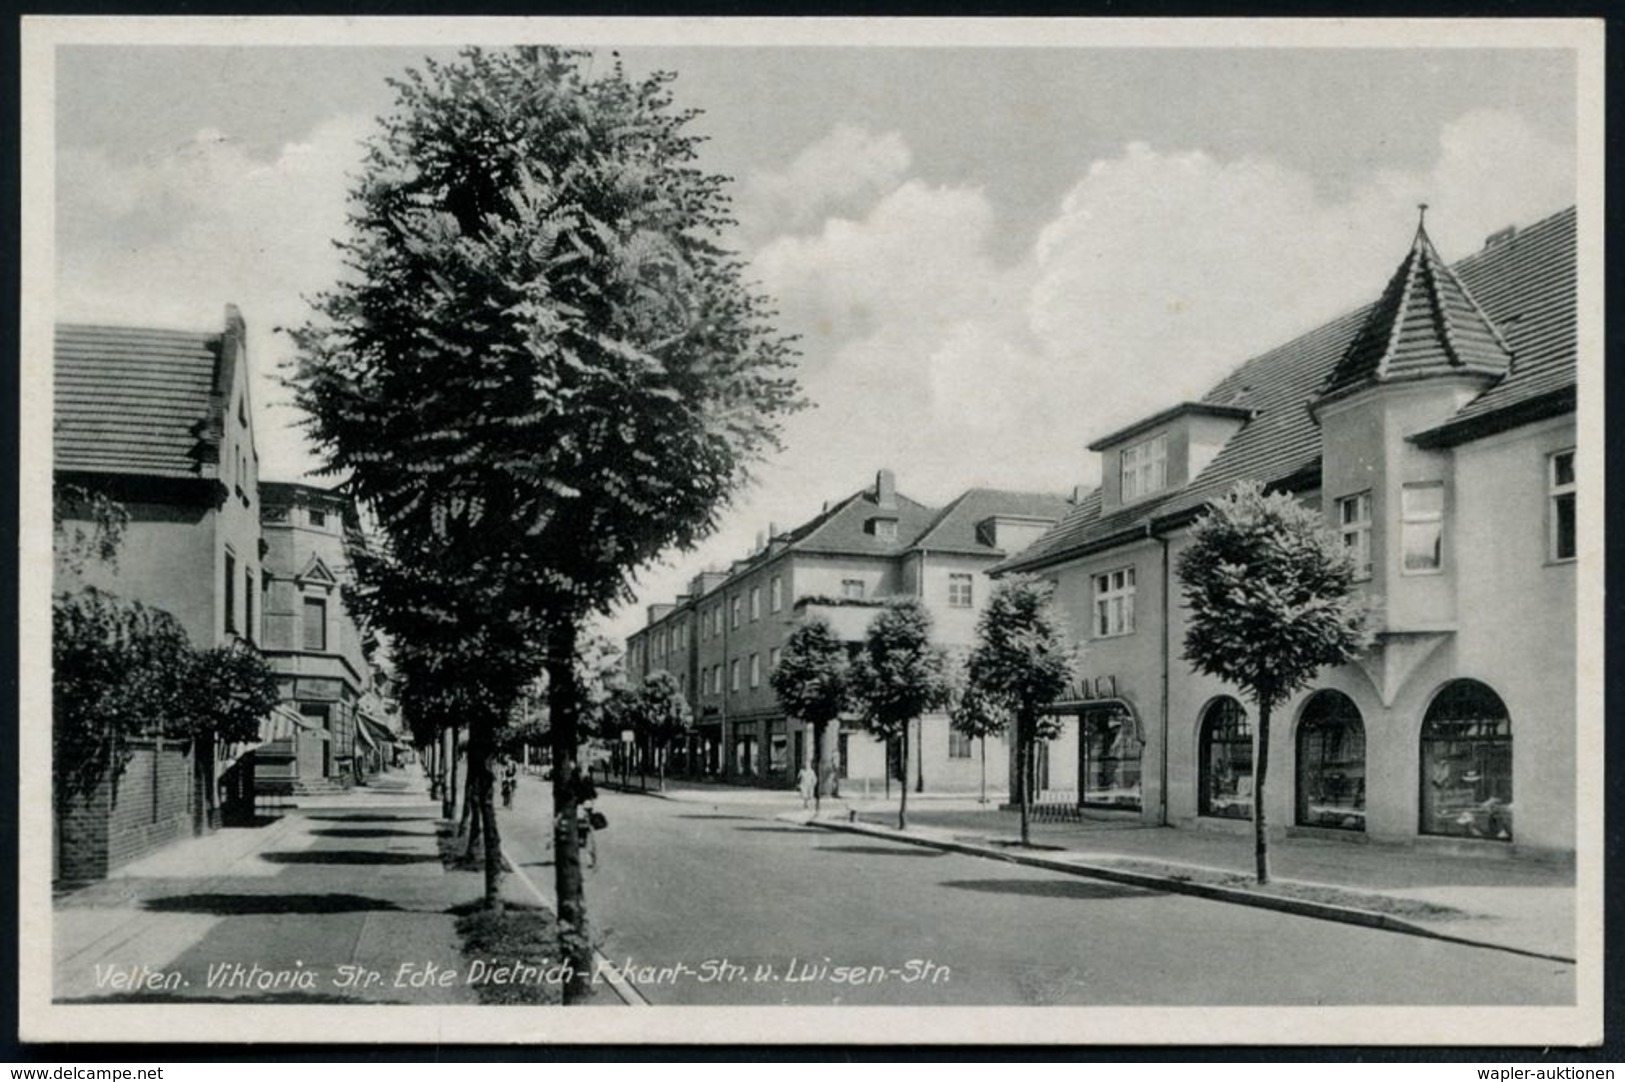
{"x": 1467, "y": 764}
{"x": 1226, "y": 761}
{"x": 1331, "y": 763}
{"x": 1111, "y": 758}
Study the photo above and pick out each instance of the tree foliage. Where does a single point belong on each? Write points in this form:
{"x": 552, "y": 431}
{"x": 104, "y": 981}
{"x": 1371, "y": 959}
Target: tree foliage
{"x": 810, "y": 680}
{"x": 1022, "y": 661}
{"x": 1270, "y": 594}
{"x": 87, "y": 527}
{"x": 540, "y": 371}
{"x": 660, "y": 710}
{"x": 899, "y": 675}
{"x": 1271, "y": 598}
{"x": 122, "y": 670}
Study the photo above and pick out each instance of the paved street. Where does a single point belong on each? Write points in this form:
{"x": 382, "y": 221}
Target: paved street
{"x": 722, "y": 904}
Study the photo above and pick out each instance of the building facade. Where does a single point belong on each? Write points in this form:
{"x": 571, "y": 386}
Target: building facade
{"x": 1435, "y": 431}
{"x": 161, "y": 422}
{"x": 315, "y": 646}
{"x": 724, "y": 636}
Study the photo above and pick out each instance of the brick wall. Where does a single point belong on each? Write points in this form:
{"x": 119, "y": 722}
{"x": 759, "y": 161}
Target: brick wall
{"x": 157, "y": 800}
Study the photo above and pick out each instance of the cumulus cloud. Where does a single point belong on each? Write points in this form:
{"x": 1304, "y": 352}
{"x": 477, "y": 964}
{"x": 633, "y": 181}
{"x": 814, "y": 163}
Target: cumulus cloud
{"x": 170, "y": 239}
{"x": 843, "y": 173}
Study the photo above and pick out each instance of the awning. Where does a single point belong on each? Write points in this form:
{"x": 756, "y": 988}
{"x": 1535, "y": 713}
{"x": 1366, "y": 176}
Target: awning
{"x": 366, "y": 737}
{"x": 377, "y": 733}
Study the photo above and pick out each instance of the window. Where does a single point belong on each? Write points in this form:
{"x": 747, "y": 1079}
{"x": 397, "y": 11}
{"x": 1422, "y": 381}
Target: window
{"x": 733, "y": 675}
{"x": 1562, "y": 505}
{"x": 778, "y": 753}
{"x": 737, "y": 609}
{"x": 1145, "y": 468}
{"x": 1114, "y": 603}
{"x": 1422, "y": 526}
{"x": 1225, "y": 786}
{"x": 960, "y": 590}
{"x": 318, "y": 519}
{"x": 756, "y": 670}
{"x": 745, "y": 755}
{"x": 1111, "y": 757}
{"x": 886, "y": 529}
{"x": 773, "y": 659}
{"x": 755, "y": 603}
{"x": 1354, "y": 526}
{"x": 776, "y": 594}
{"x": 231, "y": 592}
{"x": 248, "y": 603}
{"x": 315, "y": 623}
{"x": 958, "y": 744}
{"x": 716, "y": 618}
{"x": 852, "y": 589}
{"x": 1467, "y": 763}
{"x": 1331, "y": 763}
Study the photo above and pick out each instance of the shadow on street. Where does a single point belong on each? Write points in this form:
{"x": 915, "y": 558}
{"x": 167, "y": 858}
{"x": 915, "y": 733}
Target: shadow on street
{"x": 1051, "y": 888}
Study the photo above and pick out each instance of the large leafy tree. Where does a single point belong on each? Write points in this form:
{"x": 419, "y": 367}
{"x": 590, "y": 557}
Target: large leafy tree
{"x": 1272, "y": 602}
{"x": 1021, "y": 662}
{"x": 811, "y": 684}
{"x": 898, "y": 676}
{"x": 541, "y": 369}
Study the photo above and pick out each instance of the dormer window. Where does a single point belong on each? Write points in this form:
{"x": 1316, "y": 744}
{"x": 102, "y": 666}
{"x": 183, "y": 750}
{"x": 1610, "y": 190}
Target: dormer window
{"x": 883, "y": 529}
{"x": 318, "y": 519}
{"x": 1145, "y": 468}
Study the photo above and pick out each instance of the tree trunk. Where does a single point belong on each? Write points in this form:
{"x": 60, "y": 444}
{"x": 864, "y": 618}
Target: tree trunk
{"x": 1023, "y": 777}
{"x": 448, "y": 802}
{"x": 919, "y": 767}
{"x": 983, "y": 742}
{"x": 481, "y": 753}
{"x": 902, "y": 807}
{"x": 818, "y": 765}
{"x": 1261, "y": 764}
{"x": 564, "y": 703}
{"x": 471, "y": 821}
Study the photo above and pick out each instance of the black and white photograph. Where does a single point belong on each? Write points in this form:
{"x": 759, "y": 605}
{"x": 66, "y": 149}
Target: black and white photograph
{"x": 992, "y": 531}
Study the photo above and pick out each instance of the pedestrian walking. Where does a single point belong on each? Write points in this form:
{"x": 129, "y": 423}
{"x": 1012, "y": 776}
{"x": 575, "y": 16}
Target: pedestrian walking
{"x": 807, "y": 783}
{"x": 510, "y": 780}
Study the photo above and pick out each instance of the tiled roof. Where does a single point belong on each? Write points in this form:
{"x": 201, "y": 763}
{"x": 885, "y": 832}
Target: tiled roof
{"x": 954, "y": 529}
{"x": 841, "y": 529}
{"x": 134, "y": 401}
{"x": 1525, "y": 286}
{"x": 1426, "y": 323}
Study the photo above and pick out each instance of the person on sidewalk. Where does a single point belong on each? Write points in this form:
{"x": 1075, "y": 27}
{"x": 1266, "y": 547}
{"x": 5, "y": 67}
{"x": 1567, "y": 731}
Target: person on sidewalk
{"x": 806, "y": 782}
{"x": 510, "y": 780}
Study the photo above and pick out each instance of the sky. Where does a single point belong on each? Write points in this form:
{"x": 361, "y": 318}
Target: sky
{"x": 993, "y": 256}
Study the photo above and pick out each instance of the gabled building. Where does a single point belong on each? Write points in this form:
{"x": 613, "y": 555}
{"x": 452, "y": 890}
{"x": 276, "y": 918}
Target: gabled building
{"x": 724, "y": 636}
{"x": 162, "y": 422}
{"x": 1435, "y": 430}
{"x": 315, "y": 646}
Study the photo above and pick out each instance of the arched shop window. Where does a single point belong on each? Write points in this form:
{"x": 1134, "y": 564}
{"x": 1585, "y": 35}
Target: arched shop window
{"x": 1467, "y": 763}
{"x": 1226, "y": 743}
{"x": 1111, "y": 757}
{"x": 1331, "y": 763}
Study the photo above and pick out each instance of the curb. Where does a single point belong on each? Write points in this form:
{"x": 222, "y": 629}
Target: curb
{"x": 1340, "y": 914}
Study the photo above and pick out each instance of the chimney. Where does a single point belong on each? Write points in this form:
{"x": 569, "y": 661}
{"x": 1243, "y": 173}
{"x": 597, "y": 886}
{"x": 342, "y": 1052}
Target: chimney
{"x": 886, "y": 489}
{"x": 1078, "y": 493}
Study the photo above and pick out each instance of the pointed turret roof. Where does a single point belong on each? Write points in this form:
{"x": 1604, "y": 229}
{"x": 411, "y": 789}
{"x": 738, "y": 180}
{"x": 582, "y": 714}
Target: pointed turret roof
{"x": 1425, "y": 324}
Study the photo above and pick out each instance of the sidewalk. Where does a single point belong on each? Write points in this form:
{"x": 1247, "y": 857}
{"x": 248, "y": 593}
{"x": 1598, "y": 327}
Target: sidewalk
{"x": 273, "y": 913}
{"x": 1521, "y": 905}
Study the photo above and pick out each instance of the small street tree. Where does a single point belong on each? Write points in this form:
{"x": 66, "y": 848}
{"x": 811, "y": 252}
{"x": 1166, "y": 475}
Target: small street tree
{"x": 664, "y": 715}
{"x": 811, "y": 684}
{"x": 1271, "y": 600}
{"x": 541, "y": 370}
{"x": 977, "y": 717}
{"x": 898, "y": 676}
{"x": 1021, "y": 662}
